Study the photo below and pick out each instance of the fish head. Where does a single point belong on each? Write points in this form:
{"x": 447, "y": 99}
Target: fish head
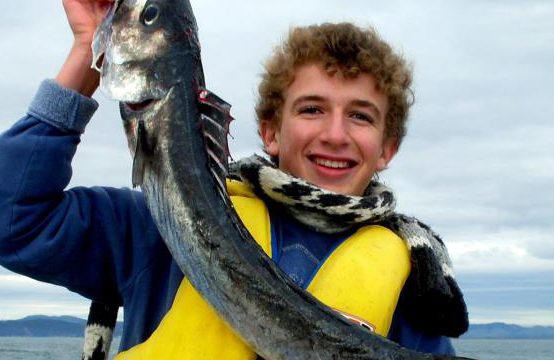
{"x": 143, "y": 48}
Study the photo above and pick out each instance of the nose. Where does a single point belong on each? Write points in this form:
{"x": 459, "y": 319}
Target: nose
{"x": 335, "y": 130}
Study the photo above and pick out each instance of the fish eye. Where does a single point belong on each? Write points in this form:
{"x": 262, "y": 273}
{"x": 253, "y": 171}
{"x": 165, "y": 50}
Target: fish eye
{"x": 150, "y": 14}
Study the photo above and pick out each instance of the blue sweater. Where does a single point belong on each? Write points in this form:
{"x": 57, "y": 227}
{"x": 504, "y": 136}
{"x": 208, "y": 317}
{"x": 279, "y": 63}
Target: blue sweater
{"x": 101, "y": 242}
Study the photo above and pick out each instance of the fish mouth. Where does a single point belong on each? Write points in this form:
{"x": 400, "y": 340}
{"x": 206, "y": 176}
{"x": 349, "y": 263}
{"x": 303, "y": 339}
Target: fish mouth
{"x": 140, "y": 106}
{"x": 147, "y": 101}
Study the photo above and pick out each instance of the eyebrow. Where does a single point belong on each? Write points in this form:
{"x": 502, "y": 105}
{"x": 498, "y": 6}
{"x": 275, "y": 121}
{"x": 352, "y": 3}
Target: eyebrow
{"x": 305, "y": 98}
{"x": 318, "y": 98}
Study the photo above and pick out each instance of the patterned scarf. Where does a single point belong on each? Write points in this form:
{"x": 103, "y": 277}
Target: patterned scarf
{"x": 431, "y": 297}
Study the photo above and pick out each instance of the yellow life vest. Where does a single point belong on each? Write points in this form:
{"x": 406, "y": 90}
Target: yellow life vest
{"x": 362, "y": 279}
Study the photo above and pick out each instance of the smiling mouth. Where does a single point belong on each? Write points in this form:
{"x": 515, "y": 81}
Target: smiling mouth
{"x": 332, "y": 164}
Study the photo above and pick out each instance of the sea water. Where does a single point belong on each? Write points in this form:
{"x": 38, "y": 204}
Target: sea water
{"x": 32, "y": 348}
{"x": 501, "y": 349}
{"x": 44, "y": 348}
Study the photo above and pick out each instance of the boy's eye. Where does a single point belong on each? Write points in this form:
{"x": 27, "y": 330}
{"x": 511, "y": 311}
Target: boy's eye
{"x": 362, "y": 117}
{"x": 309, "y": 110}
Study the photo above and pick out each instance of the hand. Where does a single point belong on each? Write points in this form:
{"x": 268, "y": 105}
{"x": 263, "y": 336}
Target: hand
{"x": 84, "y": 16}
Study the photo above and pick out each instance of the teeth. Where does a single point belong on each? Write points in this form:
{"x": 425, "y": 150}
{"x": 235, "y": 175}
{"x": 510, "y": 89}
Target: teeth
{"x": 332, "y": 164}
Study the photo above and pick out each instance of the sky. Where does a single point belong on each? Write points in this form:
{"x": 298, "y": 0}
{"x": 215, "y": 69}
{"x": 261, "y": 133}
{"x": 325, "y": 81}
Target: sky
{"x": 477, "y": 164}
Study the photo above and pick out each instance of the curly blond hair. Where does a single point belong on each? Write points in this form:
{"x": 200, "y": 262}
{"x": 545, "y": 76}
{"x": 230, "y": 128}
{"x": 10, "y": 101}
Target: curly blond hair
{"x": 341, "y": 47}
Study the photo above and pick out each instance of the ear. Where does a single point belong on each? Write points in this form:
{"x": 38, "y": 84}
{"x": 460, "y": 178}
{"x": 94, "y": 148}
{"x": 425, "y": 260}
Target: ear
{"x": 389, "y": 149}
{"x": 269, "y": 133}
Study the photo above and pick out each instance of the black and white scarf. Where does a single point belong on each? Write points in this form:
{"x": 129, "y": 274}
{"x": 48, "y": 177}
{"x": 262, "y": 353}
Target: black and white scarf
{"x": 431, "y": 297}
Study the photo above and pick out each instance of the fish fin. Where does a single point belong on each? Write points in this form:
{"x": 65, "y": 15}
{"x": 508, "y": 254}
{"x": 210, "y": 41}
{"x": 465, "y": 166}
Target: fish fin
{"x": 215, "y": 116}
{"x": 101, "y": 38}
{"x": 138, "y": 159}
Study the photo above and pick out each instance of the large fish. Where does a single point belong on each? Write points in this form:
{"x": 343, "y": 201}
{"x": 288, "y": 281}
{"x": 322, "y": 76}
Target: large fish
{"x": 149, "y": 57}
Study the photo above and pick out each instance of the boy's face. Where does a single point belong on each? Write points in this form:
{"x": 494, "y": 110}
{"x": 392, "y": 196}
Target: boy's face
{"x": 332, "y": 130}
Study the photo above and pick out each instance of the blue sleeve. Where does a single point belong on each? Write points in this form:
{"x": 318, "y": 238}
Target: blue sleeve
{"x": 403, "y": 333}
{"x": 91, "y": 240}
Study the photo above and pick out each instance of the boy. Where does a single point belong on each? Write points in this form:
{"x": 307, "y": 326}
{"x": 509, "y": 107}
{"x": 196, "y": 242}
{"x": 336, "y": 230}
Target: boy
{"x": 332, "y": 111}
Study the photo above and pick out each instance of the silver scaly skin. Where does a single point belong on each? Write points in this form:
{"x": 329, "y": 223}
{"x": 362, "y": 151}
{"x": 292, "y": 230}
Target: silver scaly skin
{"x": 149, "y": 57}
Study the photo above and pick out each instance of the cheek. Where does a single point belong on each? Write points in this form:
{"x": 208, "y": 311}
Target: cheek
{"x": 294, "y": 142}
{"x": 287, "y": 150}
{"x": 371, "y": 148}
{"x": 372, "y": 152}
{"x": 293, "y": 138}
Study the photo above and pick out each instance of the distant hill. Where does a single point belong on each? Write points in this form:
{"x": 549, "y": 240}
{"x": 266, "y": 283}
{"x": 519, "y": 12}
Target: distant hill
{"x": 46, "y": 326}
{"x": 508, "y": 331}
{"x": 69, "y": 326}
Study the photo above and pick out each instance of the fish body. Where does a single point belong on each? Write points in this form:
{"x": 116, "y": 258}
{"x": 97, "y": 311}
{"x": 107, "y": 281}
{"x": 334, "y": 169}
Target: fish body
{"x": 149, "y": 59}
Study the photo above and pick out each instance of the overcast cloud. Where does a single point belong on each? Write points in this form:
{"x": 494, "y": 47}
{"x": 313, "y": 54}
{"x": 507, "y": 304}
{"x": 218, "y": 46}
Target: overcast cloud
{"x": 477, "y": 163}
